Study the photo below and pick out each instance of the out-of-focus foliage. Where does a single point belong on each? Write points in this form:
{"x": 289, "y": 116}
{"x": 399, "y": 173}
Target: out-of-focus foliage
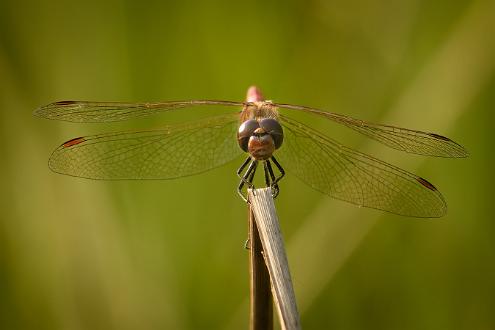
{"x": 82, "y": 254}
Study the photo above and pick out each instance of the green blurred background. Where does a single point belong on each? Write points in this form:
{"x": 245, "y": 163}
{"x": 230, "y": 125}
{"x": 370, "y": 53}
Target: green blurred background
{"x": 82, "y": 254}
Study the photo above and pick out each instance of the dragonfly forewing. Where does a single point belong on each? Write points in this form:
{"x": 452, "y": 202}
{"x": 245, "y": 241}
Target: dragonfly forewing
{"x": 96, "y": 112}
{"x": 403, "y": 139}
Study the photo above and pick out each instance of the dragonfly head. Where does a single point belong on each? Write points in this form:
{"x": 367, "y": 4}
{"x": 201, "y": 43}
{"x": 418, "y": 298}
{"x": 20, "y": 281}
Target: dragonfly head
{"x": 260, "y": 138}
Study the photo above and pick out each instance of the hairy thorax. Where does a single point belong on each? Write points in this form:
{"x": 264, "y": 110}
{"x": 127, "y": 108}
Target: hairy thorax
{"x": 258, "y": 110}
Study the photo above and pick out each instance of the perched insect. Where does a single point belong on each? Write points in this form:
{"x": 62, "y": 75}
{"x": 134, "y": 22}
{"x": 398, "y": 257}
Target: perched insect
{"x": 262, "y": 132}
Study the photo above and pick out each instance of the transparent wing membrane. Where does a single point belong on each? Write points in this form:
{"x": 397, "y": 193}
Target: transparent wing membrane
{"x": 411, "y": 141}
{"x": 181, "y": 150}
{"x": 407, "y": 140}
{"x": 348, "y": 175}
{"x": 94, "y": 112}
{"x": 166, "y": 153}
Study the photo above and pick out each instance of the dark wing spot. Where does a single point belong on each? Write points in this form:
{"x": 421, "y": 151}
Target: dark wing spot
{"x": 440, "y": 137}
{"x": 73, "y": 142}
{"x": 426, "y": 183}
{"x": 65, "y": 102}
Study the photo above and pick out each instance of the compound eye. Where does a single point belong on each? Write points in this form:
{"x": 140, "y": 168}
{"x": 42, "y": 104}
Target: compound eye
{"x": 246, "y": 130}
{"x": 273, "y": 127}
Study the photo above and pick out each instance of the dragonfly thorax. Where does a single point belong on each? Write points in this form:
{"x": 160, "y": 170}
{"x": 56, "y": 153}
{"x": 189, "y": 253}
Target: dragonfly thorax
{"x": 259, "y": 110}
{"x": 260, "y": 138}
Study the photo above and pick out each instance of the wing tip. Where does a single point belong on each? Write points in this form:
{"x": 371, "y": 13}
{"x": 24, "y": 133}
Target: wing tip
{"x": 464, "y": 153}
{"x": 41, "y": 112}
{"x": 458, "y": 151}
{"x": 426, "y": 183}
{"x": 45, "y": 111}
{"x": 52, "y": 110}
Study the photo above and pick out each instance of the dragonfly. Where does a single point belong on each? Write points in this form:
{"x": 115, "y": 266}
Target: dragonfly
{"x": 266, "y": 133}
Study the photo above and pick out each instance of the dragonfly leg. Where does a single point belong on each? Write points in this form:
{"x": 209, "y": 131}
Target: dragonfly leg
{"x": 251, "y": 177}
{"x": 273, "y": 184}
{"x": 267, "y": 177}
{"x": 247, "y": 244}
{"x": 244, "y": 178}
{"x": 280, "y": 168}
{"x": 247, "y": 178}
{"x": 243, "y": 166}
